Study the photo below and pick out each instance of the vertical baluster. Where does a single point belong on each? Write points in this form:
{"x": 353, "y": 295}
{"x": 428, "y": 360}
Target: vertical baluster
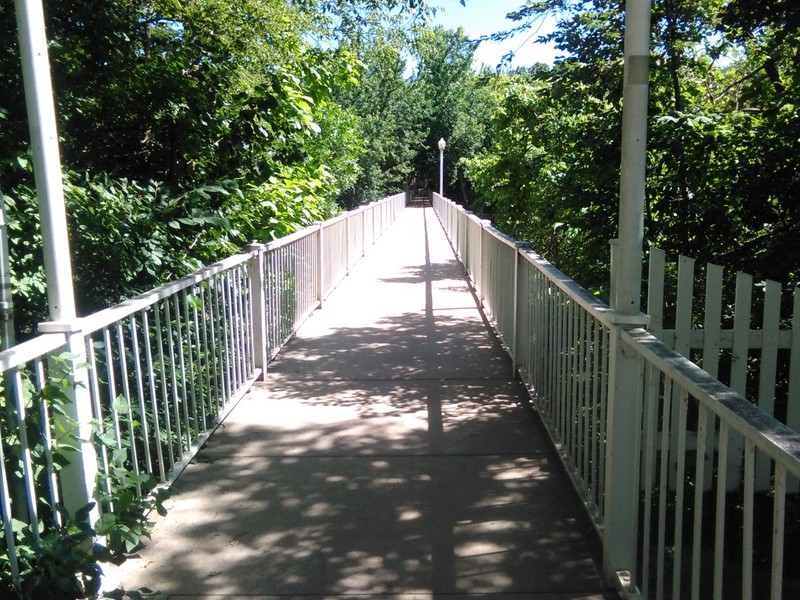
{"x": 229, "y": 304}
{"x": 748, "y": 521}
{"x": 233, "y": 330}
{"x": 309, "y": 275}
{"x": 151, "y": 377}
{"x": 663, "y": 484}
{"x": 241, "y": 321}
{"x": 651, "y": 400}
{"x": 563, "y": 367}
{"x": 594, "y": 395}
{"x": 550, "y": 353}
{"x": 269, "y": 291}
{"x": 164, "y": 389}
{"x": 216, "y": 346}
{"x": 248, "y": 306}
{"x": 126, "y": 391}
{"x": 94, "y": 393}
{"x": 573, "y": 350}
{"x": 203, "y": 367}
{"x": 604, "y": 413}
{"x": 680, "y": 460}
{"x": 180, "y": 390}
{"x": 575, "y": 371}
{"x": 210, "y": 402}
{"x": 191, "y": 342}
{"x": 47, "y": 442}
{"x": 277, "y": 295}
{"x": 5, "y": 510}
{"x": 111, "y": 386}
{"x": 778, "y": 526}
{"x": 25, "y": 452}
{"x": 719, "y": 524}
{"x": 767, "y": 373}
{"x": 137, "y": 361}
{"x": 699, "y": 487}
{"x": 585, "y": 394}
{"x": 213, "y": 345}
{"x": 177, "y": 413}
{"x": 223, "y": 356}
{"x": 793, "y": 401}
{"x": 740, "y": 355}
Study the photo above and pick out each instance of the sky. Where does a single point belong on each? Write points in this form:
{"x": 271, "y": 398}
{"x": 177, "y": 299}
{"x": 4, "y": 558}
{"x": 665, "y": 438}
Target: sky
{"x": 482, "y": 17}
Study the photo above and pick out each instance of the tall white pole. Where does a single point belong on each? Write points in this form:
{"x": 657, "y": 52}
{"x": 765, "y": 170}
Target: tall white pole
{"x": 441, "y": 172}
{"x": 620, "y": 519}
{"x": 78, "y": 476}
{"x": 6, "y": 298}
{"x": 46, "y": 158}
{"x": 627, "y": 279}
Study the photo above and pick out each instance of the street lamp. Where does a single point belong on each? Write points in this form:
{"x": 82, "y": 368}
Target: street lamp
{"x": 442, "y": 144}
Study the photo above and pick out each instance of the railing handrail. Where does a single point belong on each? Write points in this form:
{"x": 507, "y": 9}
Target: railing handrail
{"x": 599, "y": 309}
{"x": 24, "y": 352}
{"x": 126, "y": 308}
{"x": 778, "y": 441}
{"x": 292, "y": 237}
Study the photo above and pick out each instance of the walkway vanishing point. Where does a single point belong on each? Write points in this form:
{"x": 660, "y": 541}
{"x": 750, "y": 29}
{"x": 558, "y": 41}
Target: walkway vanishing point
{"x": 389, "y": 453}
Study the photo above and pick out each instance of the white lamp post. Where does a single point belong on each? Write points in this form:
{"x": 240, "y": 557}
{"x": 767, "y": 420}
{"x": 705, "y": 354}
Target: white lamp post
{"x": 442, "y": 145}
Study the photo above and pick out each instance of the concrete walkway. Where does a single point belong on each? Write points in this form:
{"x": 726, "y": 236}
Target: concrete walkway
{"x": 389, "y": 454}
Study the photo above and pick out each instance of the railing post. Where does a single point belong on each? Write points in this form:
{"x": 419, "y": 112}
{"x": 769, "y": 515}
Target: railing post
{"x": 363, "y": 232}
{"x": 320, "y": 263}
{"x": 78, "y": 477}
{"x": 519, "y": 248}
{"x": 481, "y": 279}
{"x": 467, "y": 221}
{"x": 622, "y": 451}
{"x": 258, "y": 305}
{"x": 347, "y": 243}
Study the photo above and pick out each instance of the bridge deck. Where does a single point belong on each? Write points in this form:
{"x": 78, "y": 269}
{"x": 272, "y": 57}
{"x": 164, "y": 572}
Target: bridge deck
{"x": 389, "y": 453}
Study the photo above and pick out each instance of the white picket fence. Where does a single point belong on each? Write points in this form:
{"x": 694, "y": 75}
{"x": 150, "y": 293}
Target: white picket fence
{"x": 738, "y": 330}
{"x": 163, "y": 368}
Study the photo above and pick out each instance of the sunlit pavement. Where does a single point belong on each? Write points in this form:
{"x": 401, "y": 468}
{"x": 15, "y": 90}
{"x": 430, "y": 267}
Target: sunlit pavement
{"x": 389, "y": 453}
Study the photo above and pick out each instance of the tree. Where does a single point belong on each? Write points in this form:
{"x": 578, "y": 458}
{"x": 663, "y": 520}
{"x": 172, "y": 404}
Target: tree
{"x": 722, "y": 174}
{"x": 454, "y": 106}
{"x": 212, "y": 121}
{"x": 387, "y": 109}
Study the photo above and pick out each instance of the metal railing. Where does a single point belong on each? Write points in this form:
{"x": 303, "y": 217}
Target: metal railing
{"x": 148, "y": 380}
{"x": 686, "y": 533}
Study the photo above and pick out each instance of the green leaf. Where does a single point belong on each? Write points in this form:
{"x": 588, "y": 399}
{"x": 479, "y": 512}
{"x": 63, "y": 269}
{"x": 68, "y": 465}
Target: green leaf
{"x": 120, "y": 405}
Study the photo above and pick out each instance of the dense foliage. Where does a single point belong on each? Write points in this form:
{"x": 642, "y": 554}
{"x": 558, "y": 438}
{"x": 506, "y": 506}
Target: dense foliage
{"x": 191, "y": 128}
{"x": 187, "y": 130}
{"x": 723, "y": 165}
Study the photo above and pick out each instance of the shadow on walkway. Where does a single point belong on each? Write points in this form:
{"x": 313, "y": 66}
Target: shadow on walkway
{"x": 389, "y": 453}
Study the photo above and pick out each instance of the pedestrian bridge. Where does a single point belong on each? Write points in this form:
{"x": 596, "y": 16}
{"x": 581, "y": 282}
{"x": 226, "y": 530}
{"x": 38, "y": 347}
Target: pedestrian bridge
{"x": 404, "y": 403}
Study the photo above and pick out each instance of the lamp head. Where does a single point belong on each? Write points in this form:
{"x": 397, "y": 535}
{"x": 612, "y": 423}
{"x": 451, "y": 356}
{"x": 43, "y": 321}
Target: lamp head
{"x": 442, "y": 144}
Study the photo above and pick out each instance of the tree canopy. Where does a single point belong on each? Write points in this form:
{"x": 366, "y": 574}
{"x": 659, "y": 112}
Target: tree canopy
{"x": 723, "y": 150}
{"x": 189, "y": 128}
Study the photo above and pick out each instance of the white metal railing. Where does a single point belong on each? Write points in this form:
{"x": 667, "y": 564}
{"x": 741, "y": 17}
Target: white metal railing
{"x": 163, "y": 368}
{"x": 697, "y": 525}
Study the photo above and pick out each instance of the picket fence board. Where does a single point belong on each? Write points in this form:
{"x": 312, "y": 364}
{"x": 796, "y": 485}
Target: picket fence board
{"x": 739, "y": 344}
